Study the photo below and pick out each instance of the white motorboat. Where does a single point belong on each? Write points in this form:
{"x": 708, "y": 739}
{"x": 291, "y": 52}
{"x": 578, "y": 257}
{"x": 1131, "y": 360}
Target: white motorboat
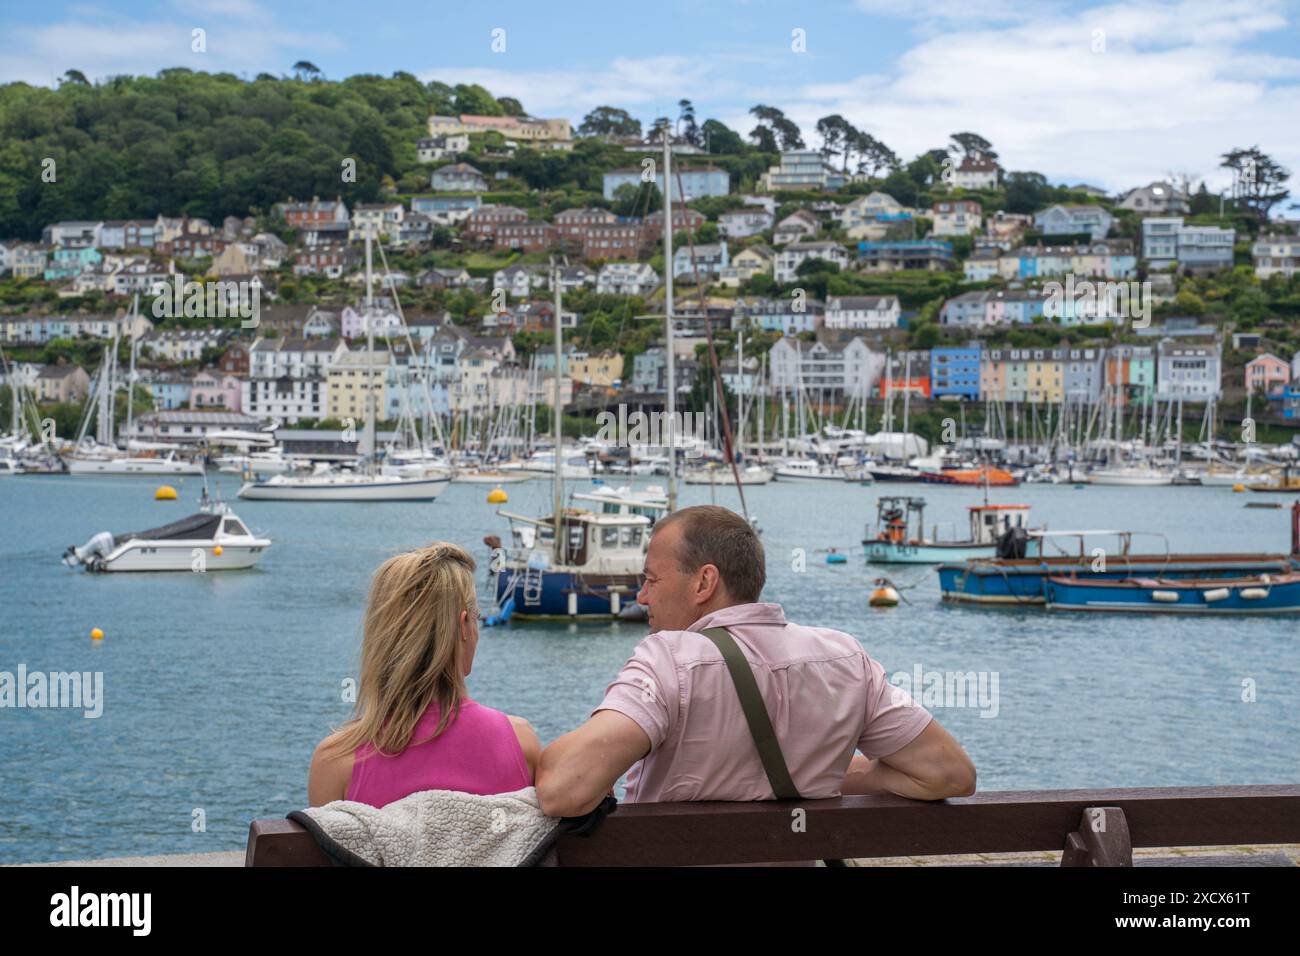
{"x": 344, "y": 486}
{"x": 572, "y": 467}
{"x": 808, "y": 468}
{"x": 256, "y": 463}
{"x": 212, "y": 540}
{"x": 131, "y": 466}
{"x": 1134, "y": 475}
{"x": 489, "y": 476}
{"x": 719, "y": 474}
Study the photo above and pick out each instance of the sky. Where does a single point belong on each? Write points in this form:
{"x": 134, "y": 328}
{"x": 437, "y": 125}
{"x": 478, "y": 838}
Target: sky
{"x": 1111, "y": 94}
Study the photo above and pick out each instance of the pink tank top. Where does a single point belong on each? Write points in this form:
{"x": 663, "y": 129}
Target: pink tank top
{"x": 478, "y": 752}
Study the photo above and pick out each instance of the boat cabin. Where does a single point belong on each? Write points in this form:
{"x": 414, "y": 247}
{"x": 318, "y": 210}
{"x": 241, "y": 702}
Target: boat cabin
{"x": 593, "y": 542}
{"x": 989, "y": 522}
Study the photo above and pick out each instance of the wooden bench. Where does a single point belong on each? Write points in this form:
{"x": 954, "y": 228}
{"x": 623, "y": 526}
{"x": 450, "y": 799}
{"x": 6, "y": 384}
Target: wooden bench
{"x": 1090, "y": 827}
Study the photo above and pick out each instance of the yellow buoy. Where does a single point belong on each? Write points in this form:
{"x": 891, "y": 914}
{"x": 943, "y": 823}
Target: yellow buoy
{"x": 497, "y": 496}
{"x": 884, "y": 595}
{"x": 1238, "y": 487}
{"x": 217, "y": 550}
{"x": 96, "y": 634}
{"x": 165, "y": 493}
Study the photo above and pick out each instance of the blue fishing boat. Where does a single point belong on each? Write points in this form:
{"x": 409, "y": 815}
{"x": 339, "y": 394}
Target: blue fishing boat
{"x": 900, "y": 529}
{"x": 1014, "y": 577}
{"x": 1257, "y": 594}
{"x": 1024, "y": 581}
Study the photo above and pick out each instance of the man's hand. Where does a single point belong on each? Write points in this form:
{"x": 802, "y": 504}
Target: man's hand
{"x": 578, "y": 769}
{"x": 931, "y": 767}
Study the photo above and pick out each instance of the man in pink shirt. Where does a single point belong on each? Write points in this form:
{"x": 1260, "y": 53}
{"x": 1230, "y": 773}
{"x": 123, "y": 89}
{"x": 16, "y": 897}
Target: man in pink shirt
{"x": 673, "y": 718}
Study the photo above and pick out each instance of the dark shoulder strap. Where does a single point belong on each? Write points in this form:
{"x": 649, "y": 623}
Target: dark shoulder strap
{"x": 760, "y": 724}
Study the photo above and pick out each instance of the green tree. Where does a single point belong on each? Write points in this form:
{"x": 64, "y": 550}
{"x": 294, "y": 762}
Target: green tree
{"x": 609, "y": 121}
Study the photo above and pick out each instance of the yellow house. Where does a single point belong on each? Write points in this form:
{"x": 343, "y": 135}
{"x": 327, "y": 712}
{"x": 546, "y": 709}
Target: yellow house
{"x": 746, "y": 264}
{"x": 1044, "y": 376}
{"x": 601, "y": 370}
{"x": 347, "y": 382}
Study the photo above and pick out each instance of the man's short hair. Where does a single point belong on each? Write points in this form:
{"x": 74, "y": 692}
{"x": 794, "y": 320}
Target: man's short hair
{"x": 711, "y": 534}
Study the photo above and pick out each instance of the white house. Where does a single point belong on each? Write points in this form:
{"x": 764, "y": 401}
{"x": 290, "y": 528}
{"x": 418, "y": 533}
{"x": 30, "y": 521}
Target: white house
{"x": 792, "y": 256}
{"x": 519, "y": 281}
{"x": 800, "y": 224}
{"x": 441, "y": 147}
{"x": 957, "y": 217}
{"x": 748, "y": 221}
{"x": 976, "y": 174}
{"x": 710, "y": 258}
{"x": 818, "y": 367}
{"x": 626, "y": 278}
{"x": 862, "y": 312}
{"x": 1157, "y": 199}
{"x": 1273, "y": 255}
{"x": 1061, "y": 220}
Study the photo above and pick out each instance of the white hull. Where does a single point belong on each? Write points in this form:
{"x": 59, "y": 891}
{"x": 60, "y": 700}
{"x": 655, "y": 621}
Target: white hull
{"x": 139, "y": 555}
{"x": 1131, "y": 478}
{"x": 786, "y": 474}
{"x": 723, "y": 476}
{"x": 1226, "y": 479}
{"x": 344, "y": 488}
{"x": 130, "y": 467}
{"x": 491, "y": 477}
{"x": 258, "y": 466}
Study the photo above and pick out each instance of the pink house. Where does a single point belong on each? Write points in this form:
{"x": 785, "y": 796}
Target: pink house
{"x": 1267, "y": 373}
{"x": 213, "y": 390}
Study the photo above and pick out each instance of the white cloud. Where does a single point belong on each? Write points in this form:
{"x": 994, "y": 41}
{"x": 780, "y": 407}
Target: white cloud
{"x": 240, "y": 36}
{"x": 648, "y": 85}
{"x": 1175, "y": 88}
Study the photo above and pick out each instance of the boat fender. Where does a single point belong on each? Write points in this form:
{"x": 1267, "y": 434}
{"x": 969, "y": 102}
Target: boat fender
{"x": 502, "y": 616}
{"x": 1218, "y": 594}
{"x": 1165, "y": 597}
{"x": 1254, "y": 594}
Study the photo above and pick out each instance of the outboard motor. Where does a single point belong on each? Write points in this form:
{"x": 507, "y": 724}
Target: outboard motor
{"x": 1013, "y": 543}
{"x": 91, "y": 553}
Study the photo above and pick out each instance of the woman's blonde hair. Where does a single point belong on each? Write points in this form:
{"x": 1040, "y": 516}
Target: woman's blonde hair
{"x": 411, "y": 651}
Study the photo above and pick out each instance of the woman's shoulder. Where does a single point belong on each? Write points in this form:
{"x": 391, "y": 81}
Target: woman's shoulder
{"x": 331, "y": 771}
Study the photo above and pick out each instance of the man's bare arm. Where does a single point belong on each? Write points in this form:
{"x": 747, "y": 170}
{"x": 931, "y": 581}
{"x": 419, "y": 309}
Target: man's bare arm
{"x": 578, "y": 769}
{"x": 932, "y": 767}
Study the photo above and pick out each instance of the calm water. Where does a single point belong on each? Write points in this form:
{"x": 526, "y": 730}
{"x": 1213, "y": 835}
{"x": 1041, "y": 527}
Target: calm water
{"x": 218, "y": 686}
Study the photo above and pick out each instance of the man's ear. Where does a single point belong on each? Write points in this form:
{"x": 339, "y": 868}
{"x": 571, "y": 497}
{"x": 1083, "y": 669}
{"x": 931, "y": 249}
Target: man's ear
{"x": 710, "y": 579}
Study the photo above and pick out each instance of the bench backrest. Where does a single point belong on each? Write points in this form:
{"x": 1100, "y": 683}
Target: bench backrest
{"x": 1093, "y": 827}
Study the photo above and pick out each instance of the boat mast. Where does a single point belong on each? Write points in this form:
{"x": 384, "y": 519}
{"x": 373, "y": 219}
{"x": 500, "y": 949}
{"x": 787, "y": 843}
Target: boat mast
{"x": 130, "y": 381}
{"x": 740, "y": 401}
{"x": 557, "y": 485}
{"x": 368, "y": 439}
{"x": 670, "y": 400}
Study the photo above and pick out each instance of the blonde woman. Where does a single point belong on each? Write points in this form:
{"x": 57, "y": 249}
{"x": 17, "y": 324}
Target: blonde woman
{"x": 415, "y": 726}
